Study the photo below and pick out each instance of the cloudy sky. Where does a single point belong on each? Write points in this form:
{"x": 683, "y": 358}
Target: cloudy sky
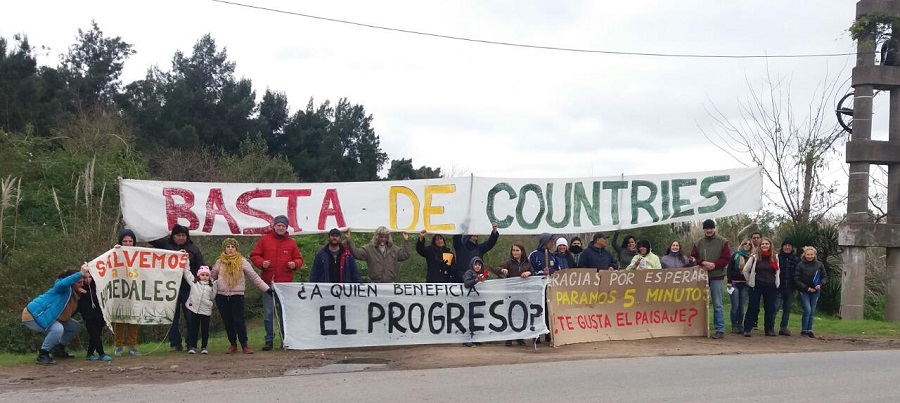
{"x": 492, "y": 110}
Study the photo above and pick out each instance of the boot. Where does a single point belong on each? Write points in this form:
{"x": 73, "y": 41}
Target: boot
{"x": 784, "y": 332}
{"x": 44, "y": 358}
{"x": 60, "y": 352}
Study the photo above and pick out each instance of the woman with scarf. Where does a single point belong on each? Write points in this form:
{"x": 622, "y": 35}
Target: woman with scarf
{"x": 230, "y": 272}
{"x": 762, "y": 274}
{"x": 736, "y": 281}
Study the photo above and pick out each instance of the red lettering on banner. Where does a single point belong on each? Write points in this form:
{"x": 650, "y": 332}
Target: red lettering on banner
{"x": 175, "y": 211}
{"x": 331, "y": 206}
{"x": 243, "y": 205}
{"x": 292, "y": 195}
{"x": 622, "y": 319}
{"x": 215, "y": 205}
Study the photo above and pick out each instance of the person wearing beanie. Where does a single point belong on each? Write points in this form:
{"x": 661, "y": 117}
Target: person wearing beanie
{"x": 787, "y": 260}
{"x": 713, "y": 254}
{"x": 278, "y": 257}
{"x": 467, "y": 247}
{"x": 438, "y": 258}
{"x": 596, "y": 256}
{"x": 334, "y": 263}
{"x": 231, "y": 272}
{"x": 200, "y": 303}
{"x": 564, "y": 258}
{"x": 644, "y": 259}
{"x": 126, "y": 334}
{"x": 180, "y": 239}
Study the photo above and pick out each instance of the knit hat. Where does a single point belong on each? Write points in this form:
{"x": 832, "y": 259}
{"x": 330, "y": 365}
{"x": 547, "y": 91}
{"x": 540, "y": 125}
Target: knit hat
{"x": 562, "y": 241}
{"x": 787, "y": 241}
{"x": 203, "y": 269}
{"x": 334, "y": 231}
{"x": 229, "y": 241}
{"x": 280, "y": 219}
{"x": 709, "y": 223}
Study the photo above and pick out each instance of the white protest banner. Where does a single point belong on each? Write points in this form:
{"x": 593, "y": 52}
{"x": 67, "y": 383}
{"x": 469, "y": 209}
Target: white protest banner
{"x": 138, "y": 285}
{"x": 448, "y": 206}
{"x": 323, "y": 315}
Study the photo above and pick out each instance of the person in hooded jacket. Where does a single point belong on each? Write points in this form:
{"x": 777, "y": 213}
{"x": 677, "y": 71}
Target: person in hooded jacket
{"x": 474, "y": 275}
{"x": 576, "y": 246}
{"x": 51, "y": 314}
{"x": 334, "y": 263}
{"x": 467, "y": 247}
{"x": 438, "y": 258}
{"x": 516, "y": 266}
{"x": 125, "y": 334}
{"x": 787, "y": 259}
{"x": 180, "y": 239}
{"x": 92, "y": 315}
{"x": 645, "y": 259}
{"x": 564, "y": 258}
{"x": 809, "y": 277}
{"x": 596, "y": 256}
{"x": 542, "y": 259}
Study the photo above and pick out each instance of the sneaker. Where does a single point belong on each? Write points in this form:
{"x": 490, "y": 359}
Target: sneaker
{"x": 719, "y": 335}
{"x": 771, "y": 333}
{"x": 60, "y": 352}
{"x": 784, "y": 332}
{"x": 547, "y": 337}
{"x": 118, "y": 352}
{"x": 175, "y": 349}
{"x": 803, "y": 333}
{"x": 248, "y": 350}
{"x": 469, "y": 344}
{"x": 810, "y": 334}
{"x": 204, "y": 351}
{"x": 93, "y": 358}
{"x": 105, "y": 358}
{"x": 508, "y": 343}
{"x": 267, "y": 346}
{"x": 133, "y": 351}
{"x": 192, "y": 351}
{"x": 44, "y": 358}
{"x": 746, "y": 334}
{"x": 231, "y": 350}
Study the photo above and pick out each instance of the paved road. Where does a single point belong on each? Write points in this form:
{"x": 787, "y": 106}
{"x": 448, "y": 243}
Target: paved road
{"x": 829, "y": 377}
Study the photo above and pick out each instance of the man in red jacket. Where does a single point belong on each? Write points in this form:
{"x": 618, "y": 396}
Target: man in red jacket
{"x": 277, "y": 256}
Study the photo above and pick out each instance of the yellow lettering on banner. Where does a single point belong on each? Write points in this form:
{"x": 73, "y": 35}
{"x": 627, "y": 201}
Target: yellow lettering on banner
{"x": 392, "y": 201}
{"x": 430, "y": 210}
{"x": 629, "y": 298}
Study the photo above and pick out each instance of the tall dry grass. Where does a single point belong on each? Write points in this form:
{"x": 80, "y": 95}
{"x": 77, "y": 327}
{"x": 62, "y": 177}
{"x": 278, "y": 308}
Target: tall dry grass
{"x": 10, "y": 198}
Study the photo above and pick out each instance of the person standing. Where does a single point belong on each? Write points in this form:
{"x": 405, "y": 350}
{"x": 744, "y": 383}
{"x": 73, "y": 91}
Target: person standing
{"x": 179, "y": 240}
{"x": 787, "y": 260}
{"x": 89, "y": 308}
{"x": 516, "y": 266}
{"x": 200, "y": 304}
{"x": 738, "y": 282}
{"x": 761, "y": 272}
{"x": 278, "y": 257}
{"x": 541, "y": 259}
{"x": 675, "y": 258}
{"x": 564, "y": 258}
{"x": 596, "y": 256}
{"x": 334, "y": 263}
{"x": 438, "y": 258}
{"x": 231, "y": 272}
{"x": 576, "y": 247}
{"x": 125, "y": 334}
{"x": 626, "y": 251}
{"x": 381, "y": 255}
{"x": 809, "y": 277}
{"x": 713, "y": 254}
{"x": 467, "y": 247}
{"x": 645, "y": 259}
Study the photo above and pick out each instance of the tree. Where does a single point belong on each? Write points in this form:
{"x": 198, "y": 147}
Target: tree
{"x": 29, "y": 95}
{"x": 402, "y": 169}
{"x": 93, "y": 68}
{"x": 793, "y": 149}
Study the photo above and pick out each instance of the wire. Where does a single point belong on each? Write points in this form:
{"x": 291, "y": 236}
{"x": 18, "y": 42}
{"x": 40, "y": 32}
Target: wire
{"x": 527, "y": 46}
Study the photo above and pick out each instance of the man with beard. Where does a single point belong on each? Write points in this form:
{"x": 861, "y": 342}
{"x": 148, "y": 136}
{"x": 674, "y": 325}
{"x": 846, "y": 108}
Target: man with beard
{"x": 180, "y": 240}
{"x": 713, "y": 254}
{"x": 277, "y": 256}
{"x": 334, "y": 263}
{"x": 381, "y": 255}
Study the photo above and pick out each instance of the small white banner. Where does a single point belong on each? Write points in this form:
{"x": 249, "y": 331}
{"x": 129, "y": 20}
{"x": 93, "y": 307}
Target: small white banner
{"x": 138, "y": 285}
{"x": 324, "y": 315}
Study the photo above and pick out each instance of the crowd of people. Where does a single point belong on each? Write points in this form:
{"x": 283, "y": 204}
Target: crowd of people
{"x": 753, "y": 273}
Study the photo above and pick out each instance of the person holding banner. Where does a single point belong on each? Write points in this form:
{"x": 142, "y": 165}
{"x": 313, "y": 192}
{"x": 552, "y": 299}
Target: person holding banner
{"x": 438, "y": 258}
{"x": 180, "y": 239}
{"x": 596, "y": 256}
{"x": 92, "y": 315}
{"x": 474, "y": 275}
{"x": 713, "y": 254}
{"x": 381, "y": 255}
{"x": 334, "y": 263}
{"x": 517, "y": 265}
{"x": 543, "y": 260}
{"x": 200, "y": 304}
{"x": 675, "y": 257}
{"x": 809, "y": 276}
{"x": 277, "y": 256}
{"x": 51, "y": 314}
{"x": 762, "y": 274}
{"x": 645, "y": 259}
{"x": 467, "y": 247}
{"x": 230, "y": 272}
{"x": 125, "y": 333}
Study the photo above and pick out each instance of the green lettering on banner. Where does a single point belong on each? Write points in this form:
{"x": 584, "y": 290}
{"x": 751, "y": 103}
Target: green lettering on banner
{"x": 615, "y": 186}
{"x": 677, "y": 201}
{"x": 664, "y": 192}
{"x": 500, "y": 187}
{"x": 523, "y": 194}
{"x": 581, "y": 200}
{"x": 704, "y": 191}
{"x": 568, "y": 203}
{"x": 645, "y": 204}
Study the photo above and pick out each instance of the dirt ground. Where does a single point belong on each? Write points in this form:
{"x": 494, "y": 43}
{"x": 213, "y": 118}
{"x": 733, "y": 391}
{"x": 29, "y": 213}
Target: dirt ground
{"x": 166, "y": 367}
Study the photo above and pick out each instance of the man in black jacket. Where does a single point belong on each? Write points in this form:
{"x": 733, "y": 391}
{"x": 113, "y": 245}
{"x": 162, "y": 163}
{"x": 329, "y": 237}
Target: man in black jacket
{"x": 180, "y": 239}
{"x": 467, "y": 247}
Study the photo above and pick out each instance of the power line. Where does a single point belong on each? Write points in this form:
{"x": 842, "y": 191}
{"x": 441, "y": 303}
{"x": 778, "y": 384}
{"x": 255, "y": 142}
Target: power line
{"x": 528, "y": 46}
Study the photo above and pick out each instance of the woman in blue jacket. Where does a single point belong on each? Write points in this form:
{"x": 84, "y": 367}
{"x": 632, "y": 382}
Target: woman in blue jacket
{"x": 51, "y": 313}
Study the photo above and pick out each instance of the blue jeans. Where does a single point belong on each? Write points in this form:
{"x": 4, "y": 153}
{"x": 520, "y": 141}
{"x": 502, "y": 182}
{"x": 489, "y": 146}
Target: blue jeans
{"x": 739, "y": 299}
{"x": 808, "y": 300}
{"x": 269, "y": 303}
{"x": 787, "y": 302}
{"x": 716, "y": 288}
{"x": 57, "y": 333}
{"x": 768, "y": 294}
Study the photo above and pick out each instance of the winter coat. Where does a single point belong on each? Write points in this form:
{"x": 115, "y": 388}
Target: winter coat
{"x": 596, "y": 258}
{"x": 806, "y": 271}
{"x": 195, "y": 257}
{"x": 279, "y": 251}
{"x": 241, "y": 286}
{"x": 787, "y": 262}
{"x": 89, "y": 304}
{"x": 673, "y": 261}
{"x": 750, "y": 271}
{"x": 565, "y": 260}
{"x": 382, "y": 266}
{"x": 514, "y": 268}
{"x": 648, "y": 261}
{"x": 436, "y": 268}
{"x": 47, "y": 307}
{"x": 349, "y": 272}
{"x": 738, "y": 260}
{"x": 203, "y": 295}
{"x": 470, "y": 278}
{"x": 714, "y": 249}
{"x": 466, "y": 250}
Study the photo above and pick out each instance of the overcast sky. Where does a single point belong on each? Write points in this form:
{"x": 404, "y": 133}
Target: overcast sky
{"x": 492, "y": 110}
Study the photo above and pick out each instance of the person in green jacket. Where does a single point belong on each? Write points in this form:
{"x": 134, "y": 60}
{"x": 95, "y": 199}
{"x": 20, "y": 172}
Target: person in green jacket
{"x": 644, "y": 259}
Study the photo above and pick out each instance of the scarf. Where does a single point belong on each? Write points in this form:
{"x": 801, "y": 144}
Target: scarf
{"x": 231, "y": 268}
{"x": 772, "y": 261}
